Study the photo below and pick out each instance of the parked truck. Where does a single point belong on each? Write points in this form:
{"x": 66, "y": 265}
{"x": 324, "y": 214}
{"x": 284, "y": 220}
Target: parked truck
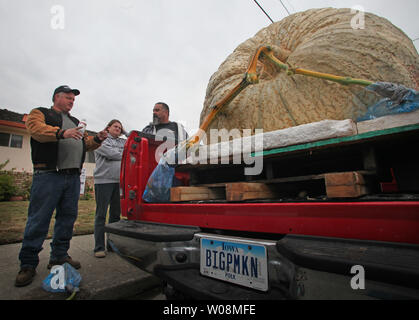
{"x": 331, "y": 219}
{"x": 326, "y": 216}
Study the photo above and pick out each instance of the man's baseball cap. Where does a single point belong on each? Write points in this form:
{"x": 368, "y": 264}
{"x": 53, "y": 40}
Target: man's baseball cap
{"x": 66, "y": 89}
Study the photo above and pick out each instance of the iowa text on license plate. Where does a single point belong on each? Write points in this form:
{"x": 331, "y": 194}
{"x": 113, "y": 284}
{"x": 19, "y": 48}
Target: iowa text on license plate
{"x": 237, "y": 262}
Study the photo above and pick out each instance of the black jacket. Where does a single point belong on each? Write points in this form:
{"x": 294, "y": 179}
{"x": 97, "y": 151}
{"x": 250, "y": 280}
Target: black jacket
{"x": 45, "y": 154}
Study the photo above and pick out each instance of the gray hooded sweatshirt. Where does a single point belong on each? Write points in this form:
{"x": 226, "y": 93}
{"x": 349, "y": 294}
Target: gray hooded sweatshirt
{"x": 108, "y": 160}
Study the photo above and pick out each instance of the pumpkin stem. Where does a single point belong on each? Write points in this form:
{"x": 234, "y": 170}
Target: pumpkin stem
{"x": 267, "y": 52}
{"x": 251, "y": 77}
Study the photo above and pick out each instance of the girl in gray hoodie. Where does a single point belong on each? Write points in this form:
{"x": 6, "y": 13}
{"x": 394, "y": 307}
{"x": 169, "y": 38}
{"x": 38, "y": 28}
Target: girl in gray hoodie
{"x": 108, "y": 165}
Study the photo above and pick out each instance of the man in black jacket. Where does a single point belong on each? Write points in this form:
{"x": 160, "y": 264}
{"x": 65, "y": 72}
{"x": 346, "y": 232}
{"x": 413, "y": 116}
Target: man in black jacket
{"x": 58, "y": 150}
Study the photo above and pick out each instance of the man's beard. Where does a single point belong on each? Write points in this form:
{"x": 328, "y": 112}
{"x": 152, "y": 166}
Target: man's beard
{"x": 156, "y": 120}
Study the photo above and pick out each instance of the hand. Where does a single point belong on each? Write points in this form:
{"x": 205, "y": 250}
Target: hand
{"x": 73, "y": 133}
{"x": 102, "y": 135}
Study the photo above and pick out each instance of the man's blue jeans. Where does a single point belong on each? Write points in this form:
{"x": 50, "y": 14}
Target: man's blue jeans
{"x": 50, "y": 191}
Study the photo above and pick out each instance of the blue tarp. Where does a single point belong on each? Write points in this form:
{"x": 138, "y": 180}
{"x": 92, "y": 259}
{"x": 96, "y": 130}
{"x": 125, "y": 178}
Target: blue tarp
{"x": 159, "y": 183}
{"x": 399, "y": 99}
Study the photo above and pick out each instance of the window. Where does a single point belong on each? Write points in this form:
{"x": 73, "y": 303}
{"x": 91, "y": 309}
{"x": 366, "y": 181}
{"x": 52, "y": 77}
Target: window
{"x": 16, "y": 141}
{"x": 4, "y": 139}
{"x": 11, "y": 140}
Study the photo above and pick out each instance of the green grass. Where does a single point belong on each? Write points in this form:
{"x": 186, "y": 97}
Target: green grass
{"x": 13, "y": 216}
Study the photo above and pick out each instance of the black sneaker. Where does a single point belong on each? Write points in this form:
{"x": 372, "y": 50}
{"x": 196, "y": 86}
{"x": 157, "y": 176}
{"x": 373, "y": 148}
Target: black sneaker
{"x": 75, "y": 264}
{"x": 25, "y": 276}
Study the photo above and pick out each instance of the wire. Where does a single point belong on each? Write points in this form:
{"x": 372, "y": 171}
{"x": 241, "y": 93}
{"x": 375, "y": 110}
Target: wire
{"x": 284, "y": 7}
{"x": 292, "y": 7}
{"x": 415, "y": 39}
{"x": 263, "y": 10}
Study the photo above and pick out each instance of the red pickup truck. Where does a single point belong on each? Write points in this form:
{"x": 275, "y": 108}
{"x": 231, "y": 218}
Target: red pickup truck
{"x": 295, "y": 242}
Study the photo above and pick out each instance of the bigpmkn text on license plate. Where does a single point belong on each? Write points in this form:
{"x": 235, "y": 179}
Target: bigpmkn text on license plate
{"x": 235, "y": 261}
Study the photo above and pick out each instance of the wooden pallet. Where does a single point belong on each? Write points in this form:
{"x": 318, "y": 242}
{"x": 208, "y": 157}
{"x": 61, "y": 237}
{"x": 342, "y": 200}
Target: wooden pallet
{"x": 345, "y": 185}
{"x": 336, "y": 185}
{"x": 179, "y": 194}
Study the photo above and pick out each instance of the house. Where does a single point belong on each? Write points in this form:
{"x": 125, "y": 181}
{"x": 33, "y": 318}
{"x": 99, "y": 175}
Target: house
{"x": 15, "y": 144}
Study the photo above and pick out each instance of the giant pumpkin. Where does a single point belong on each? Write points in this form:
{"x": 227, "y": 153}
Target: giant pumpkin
{"x": 319, "y": 40}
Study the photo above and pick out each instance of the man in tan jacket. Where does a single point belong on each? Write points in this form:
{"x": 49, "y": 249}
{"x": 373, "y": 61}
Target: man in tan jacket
{"x": 58, "y": 149}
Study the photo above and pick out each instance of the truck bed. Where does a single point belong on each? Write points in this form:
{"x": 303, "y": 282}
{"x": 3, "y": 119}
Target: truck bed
{"x": 317, "y": 209}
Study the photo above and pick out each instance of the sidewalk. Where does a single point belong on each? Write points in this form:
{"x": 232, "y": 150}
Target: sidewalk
{"x": 108, "y": 278}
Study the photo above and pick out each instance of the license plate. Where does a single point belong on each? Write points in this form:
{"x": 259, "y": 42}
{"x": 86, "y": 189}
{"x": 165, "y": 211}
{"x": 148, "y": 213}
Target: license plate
{"x": 238, "y": 262}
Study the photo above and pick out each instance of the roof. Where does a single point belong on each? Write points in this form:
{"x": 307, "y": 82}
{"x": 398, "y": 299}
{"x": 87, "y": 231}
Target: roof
{"x": 12, "y": 116}
{"x": 15, "y": 119}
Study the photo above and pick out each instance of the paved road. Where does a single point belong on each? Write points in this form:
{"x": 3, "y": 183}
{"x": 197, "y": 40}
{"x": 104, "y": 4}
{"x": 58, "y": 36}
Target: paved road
{"x": 108, "y": 278}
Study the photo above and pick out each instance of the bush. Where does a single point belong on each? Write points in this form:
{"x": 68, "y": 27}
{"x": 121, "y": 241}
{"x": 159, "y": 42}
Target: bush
{"x": 24, "y": 189}
{"x": 7, "y": 183}
{"x": 7, "y": 187}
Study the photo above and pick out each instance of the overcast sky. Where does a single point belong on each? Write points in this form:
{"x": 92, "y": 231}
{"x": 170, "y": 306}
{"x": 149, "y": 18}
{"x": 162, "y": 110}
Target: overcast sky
{"x": 126, "y": 55}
